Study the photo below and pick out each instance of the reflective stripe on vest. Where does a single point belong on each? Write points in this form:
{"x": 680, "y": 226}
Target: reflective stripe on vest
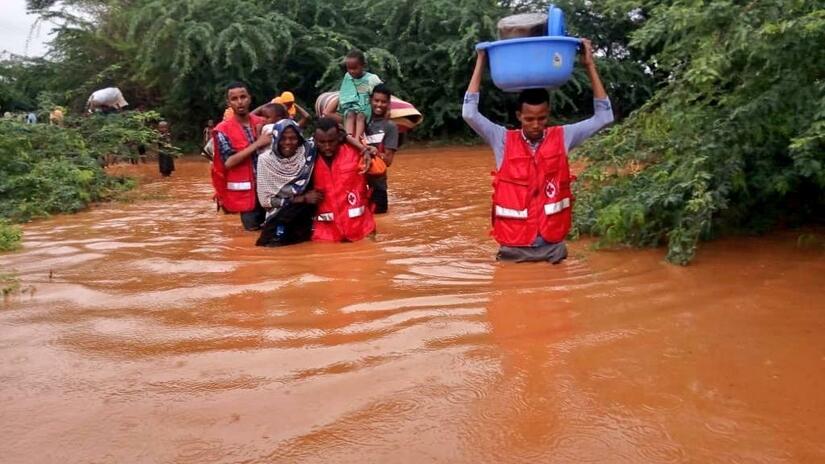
{"x": 511, "y": 213}
{"x": 356, "y": 212}
{"x": 325, "y": 217}
{"x": 553, "y": 208}
{"x": 239, "y": 185}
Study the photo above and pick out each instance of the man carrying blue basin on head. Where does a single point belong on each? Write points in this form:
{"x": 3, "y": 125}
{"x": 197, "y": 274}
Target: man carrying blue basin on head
{"x": 532, "y": 201}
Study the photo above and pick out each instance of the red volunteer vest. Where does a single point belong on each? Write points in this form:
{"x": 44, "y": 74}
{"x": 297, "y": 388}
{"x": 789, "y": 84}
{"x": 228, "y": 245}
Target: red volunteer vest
{"x": 235, "y": 187}
{"x": 531, "y": 193}
{"x": 344, "y": 214}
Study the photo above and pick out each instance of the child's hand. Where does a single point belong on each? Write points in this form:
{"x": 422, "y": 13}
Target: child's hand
{"x": 366, "y": 161}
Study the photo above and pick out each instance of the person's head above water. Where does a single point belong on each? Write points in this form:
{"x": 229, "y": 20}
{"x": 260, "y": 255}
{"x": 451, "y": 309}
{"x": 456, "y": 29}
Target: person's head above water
{"x": 355, "y": 62}
{"x": 237, "y": 98}
{"x": 533, "y": 112}
{"x": 328, "y": 137}
{"x": 380, "y": 101}
{"x": 287, "y": 138}
{"x": 273, "y": 112}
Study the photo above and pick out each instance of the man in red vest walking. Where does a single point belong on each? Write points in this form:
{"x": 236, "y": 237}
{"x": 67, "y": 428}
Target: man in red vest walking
{"x": 344, "y": 213}
{"x": 532, "y": 201}
{"x": 236, "y": 144}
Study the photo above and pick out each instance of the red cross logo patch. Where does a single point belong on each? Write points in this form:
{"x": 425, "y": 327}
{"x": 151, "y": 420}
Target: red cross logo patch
{"x": 550, "y": 189}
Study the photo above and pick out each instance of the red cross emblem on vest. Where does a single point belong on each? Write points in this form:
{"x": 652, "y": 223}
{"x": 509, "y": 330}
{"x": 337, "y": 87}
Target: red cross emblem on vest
{"x": 550, "y": 189}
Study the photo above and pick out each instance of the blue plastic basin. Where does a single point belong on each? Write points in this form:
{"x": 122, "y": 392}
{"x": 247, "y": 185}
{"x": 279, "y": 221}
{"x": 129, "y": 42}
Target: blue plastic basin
{"x": 531, "y": 62}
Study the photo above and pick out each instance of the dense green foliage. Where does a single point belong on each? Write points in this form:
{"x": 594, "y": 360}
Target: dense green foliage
{"x": 176, "y": 56}
{"x": 48, "y": 169}
{"x": 734, "y": 140}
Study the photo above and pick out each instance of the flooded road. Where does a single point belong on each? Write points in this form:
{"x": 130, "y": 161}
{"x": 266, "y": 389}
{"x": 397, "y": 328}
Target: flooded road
{"x": 155, "y": 332}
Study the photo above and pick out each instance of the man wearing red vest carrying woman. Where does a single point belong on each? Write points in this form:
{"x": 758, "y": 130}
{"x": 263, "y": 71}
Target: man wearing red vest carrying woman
{"x": 532, "y": 201}
{"x": 236, "y": 144}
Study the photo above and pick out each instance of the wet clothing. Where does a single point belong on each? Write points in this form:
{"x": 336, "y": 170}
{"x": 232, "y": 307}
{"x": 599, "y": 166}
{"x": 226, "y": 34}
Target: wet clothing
{"x": 235, "y": 187}
{"x": 531, "y": 191}
{"x": 495, "y": 135}
{"x": 382, "y": 134}
{"x": 290, "y": 225}
{"x": 355, "y": 94}
{"x": 166, "y": 162}
{"x": 344, "y": 213}
{"x": 281, "y": 178}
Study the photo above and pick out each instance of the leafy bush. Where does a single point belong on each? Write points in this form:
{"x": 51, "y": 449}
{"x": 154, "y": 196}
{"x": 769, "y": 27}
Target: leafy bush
{"x": 48, "y": 169}
{"x": 735, "y": 140}
{"x": 10, "y": 236}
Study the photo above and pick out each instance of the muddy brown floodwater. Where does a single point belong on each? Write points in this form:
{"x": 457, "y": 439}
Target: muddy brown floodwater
{"x": 155, "y": 332}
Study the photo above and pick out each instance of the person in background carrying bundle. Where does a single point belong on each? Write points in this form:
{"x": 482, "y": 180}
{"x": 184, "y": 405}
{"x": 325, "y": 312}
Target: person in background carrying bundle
{"x": 354, "y": 95}
{"x": 532, "y": 201}
{"x": 236, "y": 144}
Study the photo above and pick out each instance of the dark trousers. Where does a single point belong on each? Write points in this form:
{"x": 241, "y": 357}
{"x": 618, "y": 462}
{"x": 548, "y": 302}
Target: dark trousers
{"x": 166, "y": 164}
{"x": 378, "y": 185}
{"x": 252, "y": 220}
{"x": 292, "y": 224}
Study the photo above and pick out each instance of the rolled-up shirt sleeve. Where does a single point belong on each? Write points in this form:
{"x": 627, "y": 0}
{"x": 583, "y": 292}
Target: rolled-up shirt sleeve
{"x": 224, "y": 147}
{"x": 575, "y": 134}
{"x": 493, "y": 134}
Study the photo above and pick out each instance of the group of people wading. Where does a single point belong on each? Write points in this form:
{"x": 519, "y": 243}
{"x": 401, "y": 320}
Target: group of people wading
{"x": 326, "y": 187}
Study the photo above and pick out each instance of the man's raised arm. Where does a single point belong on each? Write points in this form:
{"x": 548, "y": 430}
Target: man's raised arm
{"x": 493, "y": 134}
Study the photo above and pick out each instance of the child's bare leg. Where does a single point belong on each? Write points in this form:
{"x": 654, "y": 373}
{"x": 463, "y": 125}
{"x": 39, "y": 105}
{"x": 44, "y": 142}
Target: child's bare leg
{"x": 349, "y": 123}
{"x": 360, "y": 125}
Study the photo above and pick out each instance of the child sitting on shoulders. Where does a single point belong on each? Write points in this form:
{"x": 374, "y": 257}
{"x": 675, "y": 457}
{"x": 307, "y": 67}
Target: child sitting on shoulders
{"x": 354, "y": 96}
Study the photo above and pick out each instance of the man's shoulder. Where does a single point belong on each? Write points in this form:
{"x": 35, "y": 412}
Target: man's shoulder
{"x": 381, "y": 124}
{"x": 222, "y": 126}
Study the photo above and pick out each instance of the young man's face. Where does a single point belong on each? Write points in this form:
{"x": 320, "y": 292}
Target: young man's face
{"x": 380, "y": 104}
{"x": 533, "y": 119}
{"x": 238, "y": 99}
{"x": 327, "y": 141}
{"x": 288, "y": 143}
{"x": 354, "y": 67}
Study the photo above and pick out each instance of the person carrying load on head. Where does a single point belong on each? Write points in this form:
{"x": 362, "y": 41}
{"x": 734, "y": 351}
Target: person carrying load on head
{"x": 236, "y": 144}
{"x": 532, "y": 200}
